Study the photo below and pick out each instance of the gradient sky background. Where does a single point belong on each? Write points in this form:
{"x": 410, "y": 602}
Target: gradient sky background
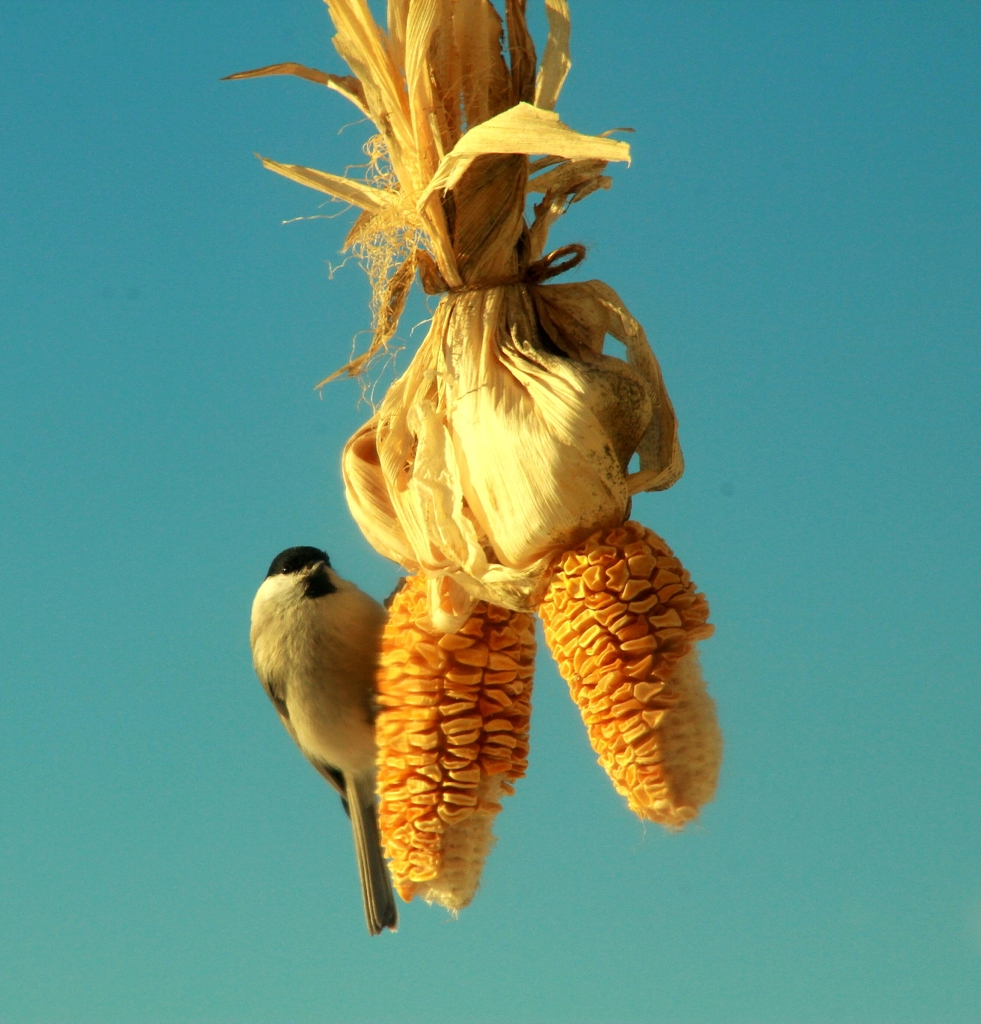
{"x": 799, "y": 232}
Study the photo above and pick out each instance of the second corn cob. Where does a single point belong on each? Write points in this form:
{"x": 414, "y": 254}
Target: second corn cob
{"x": 621, "y": 618}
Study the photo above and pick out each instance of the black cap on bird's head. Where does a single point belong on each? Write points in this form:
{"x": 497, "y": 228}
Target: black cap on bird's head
{"x": 293, "y": 561}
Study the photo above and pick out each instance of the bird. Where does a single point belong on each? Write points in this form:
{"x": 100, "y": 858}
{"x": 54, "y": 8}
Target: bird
{"x": 315, "y": 639}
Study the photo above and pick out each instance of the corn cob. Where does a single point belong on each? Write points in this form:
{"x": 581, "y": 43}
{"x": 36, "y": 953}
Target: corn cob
{"x": 621, "y": 617}
{"x": 452, "y": 736}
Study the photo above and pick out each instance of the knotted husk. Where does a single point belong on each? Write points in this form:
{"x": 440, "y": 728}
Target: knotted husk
{"x": 621, "y": 618}
{"x": 452, "y": 735}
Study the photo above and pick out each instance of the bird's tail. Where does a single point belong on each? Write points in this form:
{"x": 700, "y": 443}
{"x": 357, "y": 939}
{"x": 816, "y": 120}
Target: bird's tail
{"x": 376, "y": 884}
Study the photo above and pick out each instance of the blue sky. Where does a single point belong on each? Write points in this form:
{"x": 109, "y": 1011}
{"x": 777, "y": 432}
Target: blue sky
{"x": 799, "y": 233}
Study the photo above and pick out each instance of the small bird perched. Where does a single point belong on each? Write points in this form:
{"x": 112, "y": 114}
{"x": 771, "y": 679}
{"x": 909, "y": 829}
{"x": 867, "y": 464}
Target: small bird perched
{"x": 315, "y": 640}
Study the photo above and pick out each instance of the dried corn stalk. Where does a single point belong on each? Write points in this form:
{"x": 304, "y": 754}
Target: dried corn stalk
{"x": 621, "y": 617}
{"x": 452, "y": 736}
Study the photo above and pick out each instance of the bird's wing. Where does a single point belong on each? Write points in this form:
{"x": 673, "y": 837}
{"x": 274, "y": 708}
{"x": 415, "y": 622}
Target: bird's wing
{"x": 275, "y": 692}
{"x": 336, "y": 778}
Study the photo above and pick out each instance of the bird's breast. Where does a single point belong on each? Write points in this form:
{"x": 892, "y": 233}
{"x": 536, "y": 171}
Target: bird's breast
{"x": 330, "y": 695}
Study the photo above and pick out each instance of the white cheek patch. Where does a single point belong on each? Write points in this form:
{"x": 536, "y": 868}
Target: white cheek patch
{"x": 275, "y": 601}
{"x": 278, "y": 590}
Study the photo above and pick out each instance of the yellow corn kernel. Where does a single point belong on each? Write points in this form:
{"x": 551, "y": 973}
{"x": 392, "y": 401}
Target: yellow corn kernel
{"x": 444, "y": 766}
{"x": 631, "y": 667}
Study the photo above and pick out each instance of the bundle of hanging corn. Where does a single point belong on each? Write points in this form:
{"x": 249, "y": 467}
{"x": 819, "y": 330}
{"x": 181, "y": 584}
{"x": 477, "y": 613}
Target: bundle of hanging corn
{"x": 495, "y": 468}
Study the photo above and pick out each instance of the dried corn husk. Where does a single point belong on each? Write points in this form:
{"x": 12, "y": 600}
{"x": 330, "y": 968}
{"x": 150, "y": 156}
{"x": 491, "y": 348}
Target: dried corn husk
{"x": 621, "y": 618}
{"x": 452, "y": 737}
{"x": 508, "y": 437}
